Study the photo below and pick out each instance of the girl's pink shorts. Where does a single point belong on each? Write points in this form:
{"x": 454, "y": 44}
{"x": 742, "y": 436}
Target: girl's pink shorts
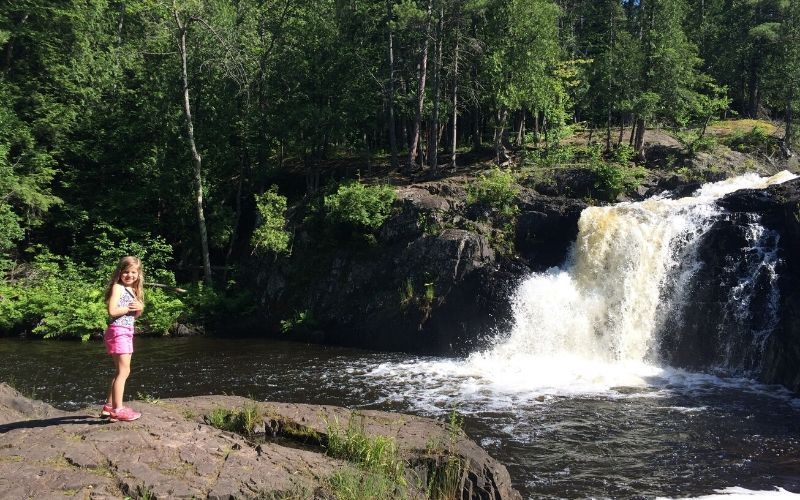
{"x": 119, "y": 339}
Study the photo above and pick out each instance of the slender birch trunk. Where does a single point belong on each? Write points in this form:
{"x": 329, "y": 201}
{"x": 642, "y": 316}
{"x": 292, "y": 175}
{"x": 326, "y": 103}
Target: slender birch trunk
{"x": 197, "y": 160}
{"x": 423, "y": 73}
{"x": 454, "y": 136}
{"x": 433, "y": 152}
{"x": 392, "y": 132}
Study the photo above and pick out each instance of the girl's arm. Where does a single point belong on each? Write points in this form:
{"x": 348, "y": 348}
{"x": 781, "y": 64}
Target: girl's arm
{"x": 113, "y": 310}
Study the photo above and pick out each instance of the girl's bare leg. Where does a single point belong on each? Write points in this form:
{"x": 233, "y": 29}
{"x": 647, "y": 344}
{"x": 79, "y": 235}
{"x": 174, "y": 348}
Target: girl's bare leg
{"x": 117, "y": 389}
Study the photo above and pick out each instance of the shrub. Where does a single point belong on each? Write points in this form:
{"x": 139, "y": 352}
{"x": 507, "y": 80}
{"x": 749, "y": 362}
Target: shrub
{"x": 610, "y": 178}
{"x": 161, "y": 312}
{"x": 497, "y": 189}
{"x": 623, "y": 154}
{"x": 694, "y": 143}
{"x": 754, "y": 140}
{"x": 615, "y": 179}
{"x": 56, "y": 299}
{"x": 60, "y": 298}
{"x": 358, "y": 207}
{"x": 270, "y": 234}
{"x": 300, "y": 319}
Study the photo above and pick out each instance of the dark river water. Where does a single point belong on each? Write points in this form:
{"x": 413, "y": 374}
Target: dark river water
{"x": 669, "y": 434}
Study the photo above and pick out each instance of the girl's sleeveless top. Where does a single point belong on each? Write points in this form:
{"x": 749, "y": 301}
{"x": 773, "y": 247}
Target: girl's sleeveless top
{"x": 126, "y": 319}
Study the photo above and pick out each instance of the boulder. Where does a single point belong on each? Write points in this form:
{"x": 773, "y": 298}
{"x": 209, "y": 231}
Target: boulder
{"x": 172, "y": 452}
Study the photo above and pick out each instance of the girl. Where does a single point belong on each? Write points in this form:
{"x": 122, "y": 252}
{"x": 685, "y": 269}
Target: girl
{"x": 125, "y": 300}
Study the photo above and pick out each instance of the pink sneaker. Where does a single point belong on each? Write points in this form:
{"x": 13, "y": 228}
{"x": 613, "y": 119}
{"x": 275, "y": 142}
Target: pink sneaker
{"x": 124, "y": 414}
{"x": 106, "y": 411}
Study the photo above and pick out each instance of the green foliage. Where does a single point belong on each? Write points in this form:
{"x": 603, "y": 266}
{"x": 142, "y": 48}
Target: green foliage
{"x": 148, "y": 398}
{"x": 378, "y": 454}
{"x": 55, "y": 300}
{"x": 754, "y": 140}
{"x": 162, "y": 311}
{"x": 359, "y": 207}
{"x": 301, "y": 319}
{"x": 407, "y": 294}
{"x": 57, "y": 297}
{"x": 430, "y": 293}
{"x": 241, "y": 421}
{"x": 351, "y": 483}
{"x": 615, "y": 178}
{"x": 445, "y": 479}
{"x": 696, "y": 143}
{"x": 623, "y": 154}
{"x": 270, "y": 234}
{"x": 497, "y": 189}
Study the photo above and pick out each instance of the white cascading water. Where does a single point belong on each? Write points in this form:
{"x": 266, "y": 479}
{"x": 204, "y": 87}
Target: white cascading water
{"x": 590, "y": 325}
{"x": 602, "y": 308}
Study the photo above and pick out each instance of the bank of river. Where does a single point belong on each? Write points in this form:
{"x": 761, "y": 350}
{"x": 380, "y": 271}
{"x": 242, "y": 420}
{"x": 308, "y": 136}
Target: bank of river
{"x": 667, "y": 433}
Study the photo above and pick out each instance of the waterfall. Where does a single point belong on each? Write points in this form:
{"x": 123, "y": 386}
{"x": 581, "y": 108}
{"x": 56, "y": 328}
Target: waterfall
{"x": 626, "y": 277}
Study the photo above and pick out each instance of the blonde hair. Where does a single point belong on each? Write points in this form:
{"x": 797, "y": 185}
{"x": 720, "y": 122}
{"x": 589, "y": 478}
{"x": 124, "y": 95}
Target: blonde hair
{"x": 126, "y": 263}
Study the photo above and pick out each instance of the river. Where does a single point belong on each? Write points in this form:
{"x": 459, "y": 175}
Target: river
{"x": 677, "y": 434}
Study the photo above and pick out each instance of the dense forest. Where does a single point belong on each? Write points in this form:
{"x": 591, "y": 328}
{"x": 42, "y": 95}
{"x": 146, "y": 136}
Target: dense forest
{"x": 177, "y": 130}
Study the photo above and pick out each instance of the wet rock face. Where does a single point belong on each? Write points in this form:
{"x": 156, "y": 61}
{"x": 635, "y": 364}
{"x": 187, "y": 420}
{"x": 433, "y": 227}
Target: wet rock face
{"x": 742, "y": 310}
{"x": 546, "y": 229}
{"x": 171, "y": 452}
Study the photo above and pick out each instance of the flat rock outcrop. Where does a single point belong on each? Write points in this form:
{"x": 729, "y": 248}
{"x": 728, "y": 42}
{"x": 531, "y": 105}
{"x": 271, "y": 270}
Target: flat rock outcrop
{"x": 172, "y": 452}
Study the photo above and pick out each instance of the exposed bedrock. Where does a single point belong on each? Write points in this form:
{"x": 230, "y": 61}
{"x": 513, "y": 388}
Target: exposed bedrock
{"x": 741, "y": 311}
{"x": 172, "y": 452}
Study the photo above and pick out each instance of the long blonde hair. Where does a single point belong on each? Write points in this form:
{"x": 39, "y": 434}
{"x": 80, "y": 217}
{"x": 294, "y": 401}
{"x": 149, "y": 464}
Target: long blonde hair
{"x": 126, "y": 263}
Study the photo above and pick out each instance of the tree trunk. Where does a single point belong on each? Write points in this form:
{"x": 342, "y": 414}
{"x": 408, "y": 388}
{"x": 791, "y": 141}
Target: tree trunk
{"x": 423, "y": 73}
{"x": 610, "y": 80}
{"x": 454, "y": 135}
{"x": 499, "y": 129}
{"x": 638, "y": 145}
{"x": 753, "y": 94}
{"x": 198, "y": 171}
{"x": 634, "y": 122}
{"x": 787, "y": 134}
{"x": 621, "y": 130}
{"x": 434, "y": 147}
{"x": 392, "y": 133}
{"x": 476, "y": 115}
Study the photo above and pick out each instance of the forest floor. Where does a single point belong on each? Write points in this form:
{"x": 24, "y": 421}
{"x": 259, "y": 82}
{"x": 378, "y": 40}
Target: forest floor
{"x": 666, "y": 151}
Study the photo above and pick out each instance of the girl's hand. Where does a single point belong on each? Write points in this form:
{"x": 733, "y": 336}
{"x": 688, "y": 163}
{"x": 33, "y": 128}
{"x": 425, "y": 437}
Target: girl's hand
{"x": 135, "y": 306}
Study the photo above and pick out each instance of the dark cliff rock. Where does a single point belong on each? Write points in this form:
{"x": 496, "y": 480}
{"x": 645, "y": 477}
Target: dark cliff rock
{"x": 437, "y": 280}
{"x": 171, "y": 452}
{"x": 423, "y": 287}
{"x": 546, "y": 228}
{"x": 780, "y": 209}
{"x": 731, "y": 318}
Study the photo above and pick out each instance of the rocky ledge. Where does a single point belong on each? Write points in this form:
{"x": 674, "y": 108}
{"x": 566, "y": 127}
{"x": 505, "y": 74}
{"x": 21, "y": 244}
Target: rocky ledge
{"x": 173, "y": 452}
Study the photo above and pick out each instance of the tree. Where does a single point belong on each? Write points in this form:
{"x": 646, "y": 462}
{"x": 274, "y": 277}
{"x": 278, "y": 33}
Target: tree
{"x": 670, "y": 63}
{"x": 522, "y": 54}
